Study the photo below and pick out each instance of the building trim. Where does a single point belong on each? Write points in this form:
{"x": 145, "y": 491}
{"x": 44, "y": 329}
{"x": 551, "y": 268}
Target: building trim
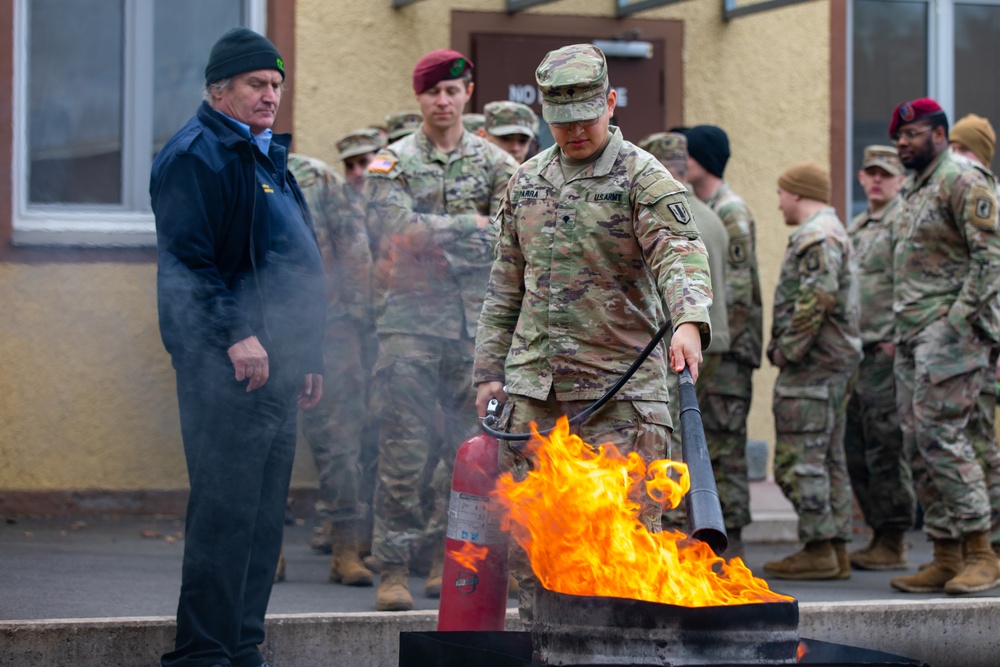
{"x": 839, "y": 108}
{"x": 730, "y": 10}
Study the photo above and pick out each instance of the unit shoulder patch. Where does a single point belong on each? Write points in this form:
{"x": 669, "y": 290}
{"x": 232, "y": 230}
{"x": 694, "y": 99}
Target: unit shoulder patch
{"x": 680, "y": 211}
{"x": 382, "y": 165}
{"x": 813, "y": 260}
{"x": 982, "y": 212}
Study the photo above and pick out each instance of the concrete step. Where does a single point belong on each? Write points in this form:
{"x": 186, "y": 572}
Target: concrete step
{"x": 773, "y": 518}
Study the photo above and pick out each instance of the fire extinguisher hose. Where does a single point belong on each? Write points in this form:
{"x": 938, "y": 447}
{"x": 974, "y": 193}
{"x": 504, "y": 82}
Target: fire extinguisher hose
{"x": 490, "y": 420}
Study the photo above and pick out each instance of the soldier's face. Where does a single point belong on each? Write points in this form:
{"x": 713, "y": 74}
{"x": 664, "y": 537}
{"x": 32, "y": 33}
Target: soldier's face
{"x": 356, "y": 168}
{"x": 695, "y": 172}
{"x": 917, "y": 144}
{"x": 515, "y": 144}
{"x": 442, "y": 105}
{"x": 580, "y": 141}
{"x": 879, "y": 185}
{"x": 788, "y": 204}
{"x": 959, "y": 149}
{"x": 252, "y": 98}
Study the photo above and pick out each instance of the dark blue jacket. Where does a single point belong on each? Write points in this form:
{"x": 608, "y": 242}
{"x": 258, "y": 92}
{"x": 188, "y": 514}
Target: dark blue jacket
{"x": 213, "y": 239}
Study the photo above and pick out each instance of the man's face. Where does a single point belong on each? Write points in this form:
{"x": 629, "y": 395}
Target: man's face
{"x": 580, "y": 140}
{"x": 695, "y": 172}
{"x": 788, "y": 204}
{"x": 356, "y": 168}
{"x": 441, "y": 105}
{"x": 916, "y": 144}
{"x": 252, "y": 98}
{"x": 879, "y": 185}
{"x": 959, "y": 149}
{"x": 515, "y": 144}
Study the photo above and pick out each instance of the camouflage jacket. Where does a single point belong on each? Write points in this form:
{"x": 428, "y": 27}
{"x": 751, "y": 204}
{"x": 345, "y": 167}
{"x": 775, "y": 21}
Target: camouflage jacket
{"x": 946, "y": 249}
{"x": 816, "y": 302}
{"x": 871, "y": 234}
{"x": 716, "y": 240}
{"x": 743, "y": 301}
{"x": 584, "y": 273}
{"x": 434, "y": 261}
{"x": 339, "y": 218}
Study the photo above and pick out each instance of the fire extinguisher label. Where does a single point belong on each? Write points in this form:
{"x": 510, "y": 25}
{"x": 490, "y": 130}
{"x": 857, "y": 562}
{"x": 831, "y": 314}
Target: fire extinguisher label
{"x": 473, "y": 519}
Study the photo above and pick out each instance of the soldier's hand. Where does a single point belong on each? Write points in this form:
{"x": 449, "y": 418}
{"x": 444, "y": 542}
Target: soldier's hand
{"x": 484, "y": 392}
{"x": 482, "y": 222}
{"x": 249, "y": 359}
{"x": 310, "y": 391}
{"x": 685, "y": 349}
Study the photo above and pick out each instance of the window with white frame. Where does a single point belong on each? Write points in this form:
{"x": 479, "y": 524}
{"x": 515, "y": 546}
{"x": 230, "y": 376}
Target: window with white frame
{"x": 902, "y": 49}
{"x": 100, "y": 86}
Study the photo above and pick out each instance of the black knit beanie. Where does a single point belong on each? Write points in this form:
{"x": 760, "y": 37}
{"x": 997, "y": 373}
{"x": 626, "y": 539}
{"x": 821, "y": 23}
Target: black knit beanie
{"x": 241, "y": 50}
{"x": 709, "y": 146}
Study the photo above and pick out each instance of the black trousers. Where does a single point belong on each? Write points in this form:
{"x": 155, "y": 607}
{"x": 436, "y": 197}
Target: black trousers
{"x": 239, "y": 448}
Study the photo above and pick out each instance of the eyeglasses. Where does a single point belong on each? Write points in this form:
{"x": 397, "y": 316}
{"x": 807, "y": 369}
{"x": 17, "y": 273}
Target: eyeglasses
{"x": 590, "y": 122}
{"x": 910, "y": 134}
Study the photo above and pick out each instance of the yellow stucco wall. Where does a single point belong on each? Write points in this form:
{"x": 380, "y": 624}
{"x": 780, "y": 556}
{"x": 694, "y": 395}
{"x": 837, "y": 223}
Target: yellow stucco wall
{"x": 764, "y": 78}
{"x": 87, "y": 391}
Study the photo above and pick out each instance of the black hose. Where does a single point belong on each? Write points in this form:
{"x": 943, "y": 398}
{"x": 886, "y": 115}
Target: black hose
{"x": 490, "y": 421}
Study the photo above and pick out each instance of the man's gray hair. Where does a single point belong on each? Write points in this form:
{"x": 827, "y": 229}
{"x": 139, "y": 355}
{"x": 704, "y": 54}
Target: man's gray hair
{"x": 215, "y": 88}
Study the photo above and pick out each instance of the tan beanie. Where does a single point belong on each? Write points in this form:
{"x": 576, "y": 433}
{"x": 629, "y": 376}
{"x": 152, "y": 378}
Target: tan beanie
{"x": 976, "y": 134}
{"x": 806, "y": 179}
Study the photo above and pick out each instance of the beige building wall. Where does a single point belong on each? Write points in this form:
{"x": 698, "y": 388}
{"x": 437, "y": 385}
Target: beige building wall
{"x": 764, "y": 78}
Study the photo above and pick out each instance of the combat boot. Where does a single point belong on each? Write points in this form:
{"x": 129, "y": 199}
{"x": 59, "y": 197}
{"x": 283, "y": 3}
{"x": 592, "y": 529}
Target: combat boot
{"x": 393, "y": 593}
{"x": 946, "y": 564}
{"x": 888, "y": 552}
{"x": 981, "y": 571}
{"x": 432, "y": 586}
{"x": 346, "y": 566}
{"x": 279, "y": 573}
{"x": 843, "y": 562}
{"x": 817, "y": 560}
{"x": 321, "y": 541}
{"x": 876, "y": 534}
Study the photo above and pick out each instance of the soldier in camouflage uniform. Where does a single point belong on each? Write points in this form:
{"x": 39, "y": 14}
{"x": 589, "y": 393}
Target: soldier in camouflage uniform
{"x": 670, "y": 148}
{"x": 402, "y": 124}
{"x": 432, "y": 193}
{"x": 727, "y": 393}
{"x": 973, "y": 137}
{"x": 473, "y": 122}
{"x": 597, "y": 248}
{"x": 946, "y": 269}
{"x": 356, "y": 150}
{"x": 816, "y": 343}
{"x": 510, "y": 125}
{"x": 334, "y": 429}
{"x": 873, "y": 440}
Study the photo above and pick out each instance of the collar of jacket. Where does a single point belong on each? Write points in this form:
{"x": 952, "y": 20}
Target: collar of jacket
{"x": 553, "y": 173}
{"x": 229, "y": 136}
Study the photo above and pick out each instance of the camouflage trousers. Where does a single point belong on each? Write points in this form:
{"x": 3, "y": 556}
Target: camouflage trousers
{"x": 873, "y": 442}
{"x": 809, "y": 462}
{"x": 425, "y": 404}
{"x": 632, "y": 426}
{"x": 939, "y": 374}
{"x": 724, "y": 399}
{"x": 982, "y": 433}
{"x": 334, "y": 429}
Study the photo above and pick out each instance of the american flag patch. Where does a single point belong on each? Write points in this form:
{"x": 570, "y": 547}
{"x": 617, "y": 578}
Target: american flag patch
{"x": 381, "y": 165}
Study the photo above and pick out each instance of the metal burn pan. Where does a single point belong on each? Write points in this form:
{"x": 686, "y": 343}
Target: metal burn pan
{"x": 580, "y": 630}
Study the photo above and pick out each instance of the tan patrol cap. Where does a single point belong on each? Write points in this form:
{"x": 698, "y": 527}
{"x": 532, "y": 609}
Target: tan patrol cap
{"x": 398, "y": 125}
{"x": 665, "y": 146}
{"x": 885, "y": 157}
{"x": 976, "y": 134}
{"x": 359, "y": 142}
{"x": 574, "y": 83}
{"x": 503, "y": 118}
{"x": 473, "y": 121}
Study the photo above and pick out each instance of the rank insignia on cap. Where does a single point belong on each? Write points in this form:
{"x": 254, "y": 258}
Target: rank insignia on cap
{"x": 906, "y": 113}
{"x": 382, "y": 165}
{"x": 680, "y": 212}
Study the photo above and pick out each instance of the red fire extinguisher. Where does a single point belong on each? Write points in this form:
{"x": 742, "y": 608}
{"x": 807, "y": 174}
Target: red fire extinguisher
{"x": 474, "y": 579}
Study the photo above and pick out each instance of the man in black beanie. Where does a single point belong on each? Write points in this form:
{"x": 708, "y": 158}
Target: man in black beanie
{"x": 241, "y": 301}
{"x": 728, "y": 391}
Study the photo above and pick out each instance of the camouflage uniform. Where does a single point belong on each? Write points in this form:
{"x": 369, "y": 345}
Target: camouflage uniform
{"x": 946, "y": 268}
{"x": 333, "y": 429}
{"x": 725, "y": 396}
{"x": 473, "y": 121}
{"x": 503, "y": 118}
{"x": 404, "y": 123}
{"x": 816, "y": 313}
{"x": 873, "y": 439}
{"x": 434, "y": 265}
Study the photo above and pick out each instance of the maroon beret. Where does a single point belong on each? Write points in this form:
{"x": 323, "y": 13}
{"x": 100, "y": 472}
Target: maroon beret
{"x": 437, "y": 66}
{"x": 907, "y": 112}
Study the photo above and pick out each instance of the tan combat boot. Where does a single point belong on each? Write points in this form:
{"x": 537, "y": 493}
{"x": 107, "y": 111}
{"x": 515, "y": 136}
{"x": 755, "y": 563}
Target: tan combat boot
{"x": 346, "y": 566}
{"x": 946, "y": 564}
{"x": 818, "y": 560}
{"x": 981, "y": 571}
{"x": 888, "y": 552}
{"x": 393, "y": 593}
{"x": 320, "y": 542}
{"x": 843, "y": 562}
{"x": 876, "y": 534}
{"x": 432, "y": 586}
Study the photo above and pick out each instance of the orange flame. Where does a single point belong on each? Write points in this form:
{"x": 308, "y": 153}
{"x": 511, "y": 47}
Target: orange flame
{"x": 577, "y": 516}
{"x": 801, "y": 651}
{"x": 469, "y": 555}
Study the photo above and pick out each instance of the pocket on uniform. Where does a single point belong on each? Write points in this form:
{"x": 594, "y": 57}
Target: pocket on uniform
{"x": 801, "y": 409}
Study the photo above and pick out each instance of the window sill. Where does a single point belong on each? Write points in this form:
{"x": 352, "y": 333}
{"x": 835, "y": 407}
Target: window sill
{"x": 135, "y": 232}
